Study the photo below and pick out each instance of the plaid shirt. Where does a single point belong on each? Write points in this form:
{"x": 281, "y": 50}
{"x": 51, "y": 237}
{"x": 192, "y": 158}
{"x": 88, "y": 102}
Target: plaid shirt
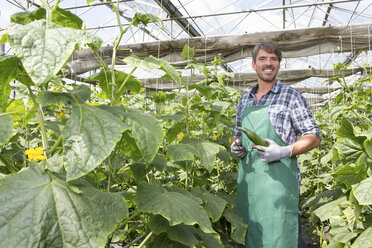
{"x": 289, "y": 112}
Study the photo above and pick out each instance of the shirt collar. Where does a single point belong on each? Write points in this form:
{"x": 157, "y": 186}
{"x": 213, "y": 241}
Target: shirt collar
{"x": 275, "y": 89}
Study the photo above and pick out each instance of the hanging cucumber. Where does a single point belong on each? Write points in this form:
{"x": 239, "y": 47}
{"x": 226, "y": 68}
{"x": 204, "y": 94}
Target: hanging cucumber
{"x": 253, "y": 137}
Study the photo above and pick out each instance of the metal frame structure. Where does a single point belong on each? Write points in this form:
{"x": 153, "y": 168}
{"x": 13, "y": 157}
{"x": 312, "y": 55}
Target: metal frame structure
{"x": 182, "y": 21}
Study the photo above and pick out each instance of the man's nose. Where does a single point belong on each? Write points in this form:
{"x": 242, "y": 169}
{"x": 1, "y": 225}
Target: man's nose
{"x": 268, "y": 62}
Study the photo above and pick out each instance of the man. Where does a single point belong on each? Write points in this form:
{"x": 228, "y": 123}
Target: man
{"x": 268, "y": 178}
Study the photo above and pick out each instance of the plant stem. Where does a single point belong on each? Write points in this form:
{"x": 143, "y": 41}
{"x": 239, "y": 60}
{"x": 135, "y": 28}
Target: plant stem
{"x": 187, "y": 176}
{"x": 126, "y": 79}
{"x": 49, "y": 9}
{"x": 130, "y": 218}
{"x": 41, "y": 120}
{"x": 145, "y": 240}
{"x": 54, "y": 147}
{"x": 8, "y": 165}
{"x": 115, "y": 48}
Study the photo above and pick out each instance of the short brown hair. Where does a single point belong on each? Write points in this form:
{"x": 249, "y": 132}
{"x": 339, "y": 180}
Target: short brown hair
{"x": 269, "y": 47}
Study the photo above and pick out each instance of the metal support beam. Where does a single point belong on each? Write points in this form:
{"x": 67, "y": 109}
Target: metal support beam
{"x": 327, "y": 15}
{"x": 94, "y": 4}
{"x": 173, "y": 12}
{"x": 264, "y": 9}
{"x": 352, "y": 57}
{"x": 283, "y": 15}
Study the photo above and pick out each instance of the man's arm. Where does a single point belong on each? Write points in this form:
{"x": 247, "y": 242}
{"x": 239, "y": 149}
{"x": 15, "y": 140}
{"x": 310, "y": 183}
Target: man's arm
{"x": 304, "y": 144}
{"x": 275, "y": 152}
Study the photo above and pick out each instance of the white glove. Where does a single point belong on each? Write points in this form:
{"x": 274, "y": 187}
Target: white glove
{"x": 238, "y": 149}
{"x": 273, "y": 152}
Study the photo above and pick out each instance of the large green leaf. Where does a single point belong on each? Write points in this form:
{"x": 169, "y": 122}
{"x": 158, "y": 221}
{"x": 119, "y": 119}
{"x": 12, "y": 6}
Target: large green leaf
{"x": 146, "y": 63}
{"x": 317, "y": 200}
{"x": 17, "y": 110}
{"x": 368, "y": 147}
{"x": 184, "y": 235}
{"x": 144, "y": 18}
{"x": 174, "y": 206}
{"x": 67, "y": 19}
{"x": 206, "y": 151}
{"x": 29, "y": 16}
{"x": 44, "y": 50}
{"x": 216, "y": 106}
{"x": 40, "y": 210}
{"x": 139, "y": 170}
{"x": 348, "y": 150}
{"x": 174, "y": 130}
{"x": 147, "y": 132}
{"x": 350, "y": 174}
{"x": 185, "y": 192}
{"x": 180, "y": 233}
{"x": 180, "y": 152}
{"x": 364, "y": 240}
{"x": 151, "y": 63}
{"x": 6, "y": 128}
{"x": 238, "y": 227}
{"x": 363, "y": 191}
{"x": 330, "y": 209}
{"x": 162, "y": 97}
{"x": 209, "y": 240}
{"x": 8, "y": 72}
{"x": 346, "y": 130}
{"x": 205, "y": 90}
{"x": 105, "y": 82}
{"x": 187, "y": 52}
{"x": 129, "y": 147}
{"x": 89, "y": 137}
{"x": 50, "y": 98}
{"x": 339, "y": 230}
{"x": 163, "y": 240}
{"x": 214, "y": 204}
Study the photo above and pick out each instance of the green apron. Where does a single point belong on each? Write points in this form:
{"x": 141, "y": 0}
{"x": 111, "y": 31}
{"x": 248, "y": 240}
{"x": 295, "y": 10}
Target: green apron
{"x": 267, "y": 194}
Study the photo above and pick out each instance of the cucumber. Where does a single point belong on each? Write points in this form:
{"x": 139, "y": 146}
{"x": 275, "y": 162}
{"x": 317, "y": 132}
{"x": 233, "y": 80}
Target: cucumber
{"x": 253, "y": 137}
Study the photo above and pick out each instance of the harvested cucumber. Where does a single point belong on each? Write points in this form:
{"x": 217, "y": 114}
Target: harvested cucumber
{"x": 254, "y": 137}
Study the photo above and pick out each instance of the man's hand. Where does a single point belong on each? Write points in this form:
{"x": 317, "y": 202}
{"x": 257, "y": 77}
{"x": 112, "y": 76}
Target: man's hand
{"x": 238, "y": 149}
{"x": 273, "y": 152}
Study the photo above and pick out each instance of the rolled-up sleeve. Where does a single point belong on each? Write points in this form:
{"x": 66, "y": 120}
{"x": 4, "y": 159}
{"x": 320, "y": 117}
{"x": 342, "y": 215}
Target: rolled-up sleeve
{"x": 302, "y": 119}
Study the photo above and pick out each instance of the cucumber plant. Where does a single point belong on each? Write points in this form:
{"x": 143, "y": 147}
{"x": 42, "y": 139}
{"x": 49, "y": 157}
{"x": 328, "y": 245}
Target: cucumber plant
{"x": 81, "y": 172}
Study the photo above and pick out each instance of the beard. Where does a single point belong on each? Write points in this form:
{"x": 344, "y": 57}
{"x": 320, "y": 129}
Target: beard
{"x": 267, "y": 78}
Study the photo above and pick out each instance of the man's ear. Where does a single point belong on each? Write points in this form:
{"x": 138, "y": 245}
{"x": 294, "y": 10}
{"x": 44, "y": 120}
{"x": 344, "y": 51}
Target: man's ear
{"x": 253, "y": 65}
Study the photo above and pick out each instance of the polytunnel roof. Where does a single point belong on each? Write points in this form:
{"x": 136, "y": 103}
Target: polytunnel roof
{"x": 186, "y": 19}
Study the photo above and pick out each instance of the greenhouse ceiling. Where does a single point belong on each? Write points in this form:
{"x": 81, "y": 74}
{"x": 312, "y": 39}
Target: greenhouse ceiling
{"x": 313, "y": 34}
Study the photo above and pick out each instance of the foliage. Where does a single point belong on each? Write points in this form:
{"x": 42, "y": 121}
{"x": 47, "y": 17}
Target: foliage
{"x": 337, "y": 176}
{"x": 86, "y": 168}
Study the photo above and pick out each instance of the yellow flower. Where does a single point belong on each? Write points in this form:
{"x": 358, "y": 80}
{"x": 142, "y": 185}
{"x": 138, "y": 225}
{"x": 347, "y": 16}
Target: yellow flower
{"x": 35, "y": 154}
{"x": 214, "y": 137}
{"x": 180, "y": 136}
{"x": 61, "y": 114}
{"x": 15, "y": 124}
{"x": 230, "y": 140}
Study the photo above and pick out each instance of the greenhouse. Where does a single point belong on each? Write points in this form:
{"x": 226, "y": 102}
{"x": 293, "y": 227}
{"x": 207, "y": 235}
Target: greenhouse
{"x": 128, "y": 123}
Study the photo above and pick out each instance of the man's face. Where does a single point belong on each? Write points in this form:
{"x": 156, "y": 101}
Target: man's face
{"x": 266, "y": 66}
